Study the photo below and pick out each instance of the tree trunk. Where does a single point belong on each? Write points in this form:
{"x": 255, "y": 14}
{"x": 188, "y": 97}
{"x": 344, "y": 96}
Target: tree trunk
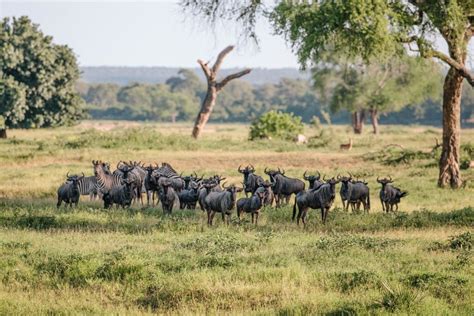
{"x": 375, "y": 120}
{"x": 205, "y": 112}
{"x": 449, "y": 161}
{"x": 3, "y": 133}
{"x": 358, "y": 118}
{"x": 213, "y": 88}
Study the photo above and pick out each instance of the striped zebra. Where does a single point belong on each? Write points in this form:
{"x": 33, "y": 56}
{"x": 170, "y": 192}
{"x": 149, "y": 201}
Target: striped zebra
{"x": 88, "y": 186}
{"x": 105, "y": 180}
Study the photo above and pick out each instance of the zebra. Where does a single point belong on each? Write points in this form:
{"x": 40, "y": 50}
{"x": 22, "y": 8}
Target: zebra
{"x": 105, "y": 180}
{"x": 88, "y": 186}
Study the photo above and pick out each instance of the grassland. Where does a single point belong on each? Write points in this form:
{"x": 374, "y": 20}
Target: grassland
{"x": 92, "y": 261}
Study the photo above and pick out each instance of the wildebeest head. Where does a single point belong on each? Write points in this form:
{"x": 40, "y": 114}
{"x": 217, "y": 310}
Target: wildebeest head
{"x": 217, "y": 178}
{"x": 74, "y": 179}
{"x": 273, "y": 173}
{"x": 384, "y": 181}
{"x": 246, "y": 171}
{"x": 232, "y": 189}
{"x": 125, "y": 169}
{"x": 261, "y": 193}
{"x": 311, "y": 178}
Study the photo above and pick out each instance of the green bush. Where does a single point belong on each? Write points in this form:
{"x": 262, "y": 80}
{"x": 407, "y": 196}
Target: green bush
{"x": 276, "y": 124}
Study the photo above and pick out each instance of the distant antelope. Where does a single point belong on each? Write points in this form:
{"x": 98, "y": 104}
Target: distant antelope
{"x": 347, "y": 146}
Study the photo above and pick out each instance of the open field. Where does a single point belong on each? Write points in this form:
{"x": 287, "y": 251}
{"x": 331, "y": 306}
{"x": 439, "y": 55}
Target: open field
{"x": 417, "y": 261}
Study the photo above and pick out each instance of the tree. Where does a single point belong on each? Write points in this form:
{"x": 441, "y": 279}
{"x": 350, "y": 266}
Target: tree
{"x": 370, "y": 29}
{"x": 376, "y": 88}
{"x": 213, "y": 88}
{"x": 37, "y": 78}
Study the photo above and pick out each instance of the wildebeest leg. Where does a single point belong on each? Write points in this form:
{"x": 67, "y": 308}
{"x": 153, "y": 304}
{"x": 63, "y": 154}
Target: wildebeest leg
{"x": 383, "y": 205}
{"x": 253, "y": 217}
{"x": 59, "y": 202}
{"x": 256, "y": 218}
{"x": 208, "y": 217}
{"x": 396, "y": 205}
{"x": 343, "y": 204}
{"x": 300, "y": 213}
{"x": 148, "y": 198}
{"x": 213, "y": 213}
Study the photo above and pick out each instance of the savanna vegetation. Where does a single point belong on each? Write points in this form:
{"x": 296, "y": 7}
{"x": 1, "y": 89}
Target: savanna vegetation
{"x": 137, "y": 261}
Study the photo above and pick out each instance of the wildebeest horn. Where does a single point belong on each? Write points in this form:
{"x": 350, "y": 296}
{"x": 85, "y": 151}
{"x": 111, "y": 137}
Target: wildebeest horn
{"x": 324, "y": 178}
{"x": 337, "y": 177}
{"x": 283, "y": 172}
{"x": 350, "y": 175}
{"x": 390, "y": 178}
{"x": 253, "y": 168}
{"x": 304, "y": 175}
{"x": 67, "y": 174}
{"x": 319, "y": 175}
{"x": 265, "y": 171}
{"x": 240, "y": 169}
{"x": 223, "y": 185}
{"x": 378, "y": 180}
{"x": 195, "y": 174}
{"x": 279, "y": 170}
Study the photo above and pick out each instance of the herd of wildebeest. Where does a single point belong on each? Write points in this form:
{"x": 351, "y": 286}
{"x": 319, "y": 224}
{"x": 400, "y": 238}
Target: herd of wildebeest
{"x": 128, "y": 182}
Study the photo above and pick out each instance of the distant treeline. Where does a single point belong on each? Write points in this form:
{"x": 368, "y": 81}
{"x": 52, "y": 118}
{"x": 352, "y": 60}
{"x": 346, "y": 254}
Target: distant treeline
{"x": 178, "y": 98}
{"x": 129, "y": 75}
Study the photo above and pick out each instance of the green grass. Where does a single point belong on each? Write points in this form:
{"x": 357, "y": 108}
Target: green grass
{"x": 93, "y": 261}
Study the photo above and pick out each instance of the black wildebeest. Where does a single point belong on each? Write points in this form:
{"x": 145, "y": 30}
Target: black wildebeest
{"x": 151, "y": 186}
{"x": 252, "y": 204}
{"x": 321, "y": 197}
{"x": 284, "y": 187}
{"x": 313, "y": 180}
{"x": 69, "y": 191}
{"x": 354, "y": 193}
{"x": 189, "y": 197}
{"x": 167, "y": 196}
{"x": 251, "y": 180}
{"x": 269, "y": 195}
{"x": 389, "y": 195}
{"x": 221, "y": 202}
{"x": 120, "y": 195}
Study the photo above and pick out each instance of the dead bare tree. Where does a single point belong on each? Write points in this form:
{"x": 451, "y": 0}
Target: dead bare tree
{"x": 213, "y": 88}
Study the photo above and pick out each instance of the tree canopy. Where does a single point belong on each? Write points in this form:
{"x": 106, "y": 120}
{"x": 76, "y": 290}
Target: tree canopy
{"x": 37, "y": 78}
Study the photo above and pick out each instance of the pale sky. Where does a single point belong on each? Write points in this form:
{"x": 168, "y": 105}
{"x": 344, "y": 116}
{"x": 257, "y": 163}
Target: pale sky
{"x": 146, "y": 33}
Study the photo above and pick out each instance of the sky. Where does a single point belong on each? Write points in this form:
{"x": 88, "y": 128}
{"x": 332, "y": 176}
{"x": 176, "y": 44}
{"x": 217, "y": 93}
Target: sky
{"x": 148, "y": 33}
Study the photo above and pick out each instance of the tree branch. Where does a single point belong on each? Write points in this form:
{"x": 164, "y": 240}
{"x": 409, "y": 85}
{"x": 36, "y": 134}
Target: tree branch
{"x": 221, "y": 57}
{"x": 453, "y": 63}
{"x": 227, "y": 79}
{"x": 205, "y": 68}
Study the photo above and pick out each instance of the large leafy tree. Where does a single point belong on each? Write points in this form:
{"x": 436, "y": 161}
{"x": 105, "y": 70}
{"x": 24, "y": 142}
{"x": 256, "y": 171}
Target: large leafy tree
{"x": 37, "y": 78}
{"x": 370, "y": 29}
{"x": 376, "y": 88}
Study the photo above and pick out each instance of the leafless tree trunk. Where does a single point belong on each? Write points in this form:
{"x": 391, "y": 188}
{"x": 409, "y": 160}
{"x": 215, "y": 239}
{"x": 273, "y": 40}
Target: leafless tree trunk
{"x": 3, "y": 133}
{"x": 374, "y": 118}
{"x": 213, "y": 88}
{"x": 358, "y": 118}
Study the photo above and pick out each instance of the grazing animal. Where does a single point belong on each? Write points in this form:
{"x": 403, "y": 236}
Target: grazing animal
{"x": 88, "y": 186}
{"x": 69, "y": 191}
{"x": 390, "y": 195}
{"x": 120, "y": 195}
{"x": 189, "y": 197}
{"x": 135, "y": 172}
{"x": 167, "y": 196}
{"x": 346, "y": 146}
{"x": 284, "y": 187}
{"x": 206, "y": 188}
{"x": 221, "y": 202}
{"x": 269, "y": 195}
{"x": 321, "y": 197}
{"x": 190, "y": 180}
{"x": 151, "y": 186}
{"x": 313, "y": 180}
{"x": 105, "y": 180}
{"x": 252, "y": 204}
{"x": 251, "y": 180}
{"x": 354, "y": 193}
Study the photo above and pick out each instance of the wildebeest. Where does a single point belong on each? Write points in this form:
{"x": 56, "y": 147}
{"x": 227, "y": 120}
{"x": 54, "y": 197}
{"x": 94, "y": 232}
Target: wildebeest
{"x": 313, "y": 180}
{"x": 207, "y": 186}
{"x": 221, "y": 202}
{"x": 354, "y": 193}
{"x": 120, "y": 195}
{"x": 269, "y": 196}
{"x": 189, "y": 197}
{"x": 135, "y": 173}
{"x": 251, "y": 181}
{"x": 284, "y": 187}
{"x": 69, "y": 191}
{"x": 189, "y": 180}
{"x": 321, "y": 197}
{"x": 151, "y": 186}
{"x": 389, "y": 195}
{"x": 167, "y": 196}
{"x": 252, "y": 204}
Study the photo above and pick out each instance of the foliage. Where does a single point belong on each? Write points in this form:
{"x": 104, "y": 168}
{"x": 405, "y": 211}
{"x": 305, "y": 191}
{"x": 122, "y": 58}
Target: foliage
{"x": 37, "y": 77}
{"x": 276, "y": 124}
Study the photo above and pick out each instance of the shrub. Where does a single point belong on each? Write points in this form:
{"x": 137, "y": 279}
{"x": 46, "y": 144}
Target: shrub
{"x": 276, "y": 124}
